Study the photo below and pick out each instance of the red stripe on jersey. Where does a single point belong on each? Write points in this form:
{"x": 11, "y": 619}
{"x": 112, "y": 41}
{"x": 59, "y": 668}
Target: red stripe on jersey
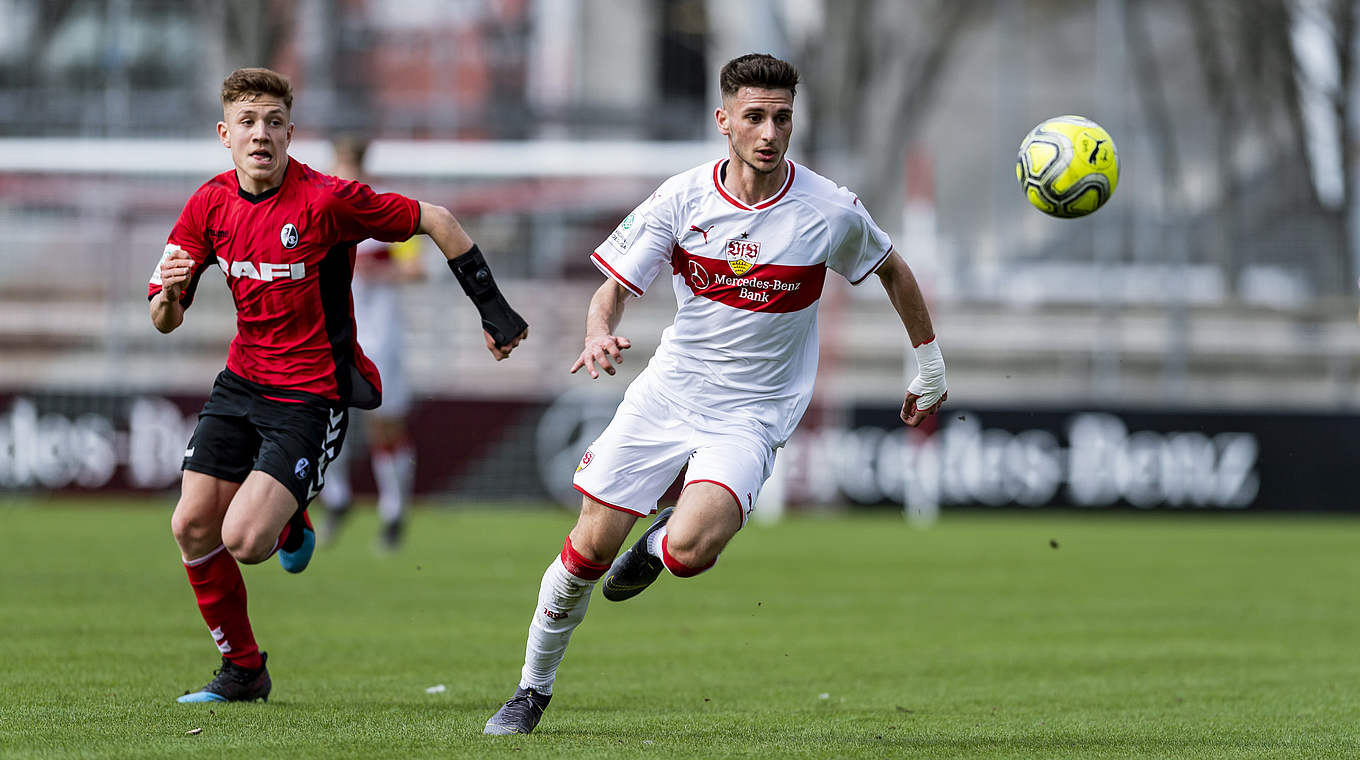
{"x": 717, "y": 182}
{"x": 875, "y": 267}
{"x": 775, "y": 288}
{"x": 600, "y": 262}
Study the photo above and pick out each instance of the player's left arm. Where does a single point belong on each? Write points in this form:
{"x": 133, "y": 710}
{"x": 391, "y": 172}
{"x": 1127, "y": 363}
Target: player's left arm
{"x": 928, "y": 391}
{"x": 502, "y": 327}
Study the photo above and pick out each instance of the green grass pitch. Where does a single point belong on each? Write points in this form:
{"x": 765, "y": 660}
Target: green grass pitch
{"x": 1138, "y": 635}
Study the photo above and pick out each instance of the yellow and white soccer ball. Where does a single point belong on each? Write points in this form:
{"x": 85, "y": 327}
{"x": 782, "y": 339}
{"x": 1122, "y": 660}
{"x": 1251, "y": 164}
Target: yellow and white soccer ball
{"x": 1068, "y": 166}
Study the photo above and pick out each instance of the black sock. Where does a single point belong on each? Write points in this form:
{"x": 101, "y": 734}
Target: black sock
{"x": 296, "y": 526}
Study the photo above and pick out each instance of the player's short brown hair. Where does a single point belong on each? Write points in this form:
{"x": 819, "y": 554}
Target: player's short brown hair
{"x": 757, "y": 70}
{"x": 250, "y": 83}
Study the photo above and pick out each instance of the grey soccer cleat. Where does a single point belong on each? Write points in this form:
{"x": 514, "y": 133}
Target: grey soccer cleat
{"x": 519, "y": 714}
{"x": 636, "y": 568}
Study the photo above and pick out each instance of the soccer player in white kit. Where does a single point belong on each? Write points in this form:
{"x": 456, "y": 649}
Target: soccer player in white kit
{"x": 747, "y": 242}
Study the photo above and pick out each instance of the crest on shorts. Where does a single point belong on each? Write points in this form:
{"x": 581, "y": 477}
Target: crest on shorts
{"x": 302, "y": 468}
{"x": 289, "y": 236}
{"x": 741, "y": 255}
{"x": 586, "y": 459}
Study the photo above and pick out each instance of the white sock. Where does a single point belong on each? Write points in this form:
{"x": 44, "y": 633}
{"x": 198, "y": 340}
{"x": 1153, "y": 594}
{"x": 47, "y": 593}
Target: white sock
{"x": 654, "y": 542}
{"x": 562, "y": 602}
{"x": 394, "y": 473}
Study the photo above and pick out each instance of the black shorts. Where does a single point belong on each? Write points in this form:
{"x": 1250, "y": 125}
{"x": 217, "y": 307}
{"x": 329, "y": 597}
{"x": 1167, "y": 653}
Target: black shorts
{"x": 246, "y": 426}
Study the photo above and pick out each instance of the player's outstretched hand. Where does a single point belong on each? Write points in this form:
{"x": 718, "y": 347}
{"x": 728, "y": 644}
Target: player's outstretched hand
{"x": 176, "y": 269}
{"x": 913, "y": 414}
{"x": 502, "y": 352}
{"x": 599, "y": 350}
{"x": 929, "y": 389}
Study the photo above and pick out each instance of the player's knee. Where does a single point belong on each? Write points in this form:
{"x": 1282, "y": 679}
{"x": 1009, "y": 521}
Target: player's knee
{"x": 247, "y": 545}
{"x": 193, "y": 531}
{"x": 590, "y": 549}
{"x": 600, "y": 530}
{"x": 694, "y": 551}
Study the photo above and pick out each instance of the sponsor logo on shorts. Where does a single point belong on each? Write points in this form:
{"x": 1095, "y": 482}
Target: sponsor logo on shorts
{"x": 741, "y": 255}
{"x": 301, "y": 469}
{"x": 586, "y": 459}
{"x": 555, "y": 615}
{"x": 289, "y": 236}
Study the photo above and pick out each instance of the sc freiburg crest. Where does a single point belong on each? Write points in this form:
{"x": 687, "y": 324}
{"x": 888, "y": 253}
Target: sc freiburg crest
{"x": 289, "y": 236}
{"x": 741, "y": 255}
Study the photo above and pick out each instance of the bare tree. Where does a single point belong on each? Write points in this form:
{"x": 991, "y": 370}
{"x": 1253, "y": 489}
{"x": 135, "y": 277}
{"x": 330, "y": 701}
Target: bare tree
{"x": 1250, "y": 71}
{"x": 875, "y": 71}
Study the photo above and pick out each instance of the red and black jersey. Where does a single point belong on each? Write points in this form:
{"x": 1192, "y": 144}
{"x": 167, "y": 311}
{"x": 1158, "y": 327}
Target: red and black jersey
{"x": 288, "y": 255}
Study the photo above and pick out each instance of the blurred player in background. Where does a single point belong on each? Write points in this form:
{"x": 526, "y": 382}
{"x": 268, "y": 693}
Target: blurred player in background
{"x": 380, "y": 271}
{"x": 748, "y": 241}
{"x": 284, "y": 236}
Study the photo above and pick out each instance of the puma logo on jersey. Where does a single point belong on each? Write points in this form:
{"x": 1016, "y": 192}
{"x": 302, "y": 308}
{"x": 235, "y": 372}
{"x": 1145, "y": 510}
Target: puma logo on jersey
{"x": 264, "y": 271}
{"x": 702, "y": 231}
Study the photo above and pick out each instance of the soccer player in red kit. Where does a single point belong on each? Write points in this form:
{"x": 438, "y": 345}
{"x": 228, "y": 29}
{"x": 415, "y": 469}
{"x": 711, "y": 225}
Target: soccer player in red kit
{"x": 284, "y": 236}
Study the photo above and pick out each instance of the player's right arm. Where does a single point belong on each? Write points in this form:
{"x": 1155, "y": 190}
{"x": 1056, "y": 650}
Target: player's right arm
{"x": 167, "y": 307}
{"x": 630, "y": 258}
{"x": 602, "y": 318}
{"x": 186, "y": 255}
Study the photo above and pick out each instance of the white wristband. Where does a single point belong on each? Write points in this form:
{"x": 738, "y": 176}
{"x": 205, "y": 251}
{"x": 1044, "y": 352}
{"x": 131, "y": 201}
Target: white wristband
{"x": 930, "y": 381}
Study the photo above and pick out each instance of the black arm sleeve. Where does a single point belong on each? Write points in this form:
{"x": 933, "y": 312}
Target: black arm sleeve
{"x": 498, "y": 319}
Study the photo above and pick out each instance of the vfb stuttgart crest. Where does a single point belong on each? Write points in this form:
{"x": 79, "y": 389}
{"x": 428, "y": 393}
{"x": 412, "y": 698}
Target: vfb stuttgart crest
{"x": 741, "y": 255}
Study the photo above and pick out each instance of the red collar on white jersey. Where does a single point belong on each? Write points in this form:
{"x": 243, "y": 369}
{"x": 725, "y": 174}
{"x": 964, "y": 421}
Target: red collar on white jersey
{"x": 717, "y": 182}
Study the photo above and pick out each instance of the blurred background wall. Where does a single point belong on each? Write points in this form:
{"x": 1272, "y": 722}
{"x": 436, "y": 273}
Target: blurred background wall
{"x": 1161, "y": 353}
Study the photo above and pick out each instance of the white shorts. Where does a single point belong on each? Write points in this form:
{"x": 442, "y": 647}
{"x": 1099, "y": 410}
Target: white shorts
{"x": 636, "y": 458}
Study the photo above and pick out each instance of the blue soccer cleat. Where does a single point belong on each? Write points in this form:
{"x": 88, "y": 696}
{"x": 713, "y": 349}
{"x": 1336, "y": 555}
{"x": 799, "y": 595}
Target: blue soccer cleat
{"x": 296, "y": 554}
{"x": 233, "y": 683}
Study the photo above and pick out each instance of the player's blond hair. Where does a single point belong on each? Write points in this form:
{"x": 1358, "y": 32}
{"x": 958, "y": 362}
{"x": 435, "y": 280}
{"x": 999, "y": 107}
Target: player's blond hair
{"x": 759, "y": 70}
{"x": 251, "y": 83}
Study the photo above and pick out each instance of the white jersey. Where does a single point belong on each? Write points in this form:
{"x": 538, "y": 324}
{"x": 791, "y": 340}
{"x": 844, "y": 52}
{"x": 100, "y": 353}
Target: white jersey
{"x": 747, "y": 282}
